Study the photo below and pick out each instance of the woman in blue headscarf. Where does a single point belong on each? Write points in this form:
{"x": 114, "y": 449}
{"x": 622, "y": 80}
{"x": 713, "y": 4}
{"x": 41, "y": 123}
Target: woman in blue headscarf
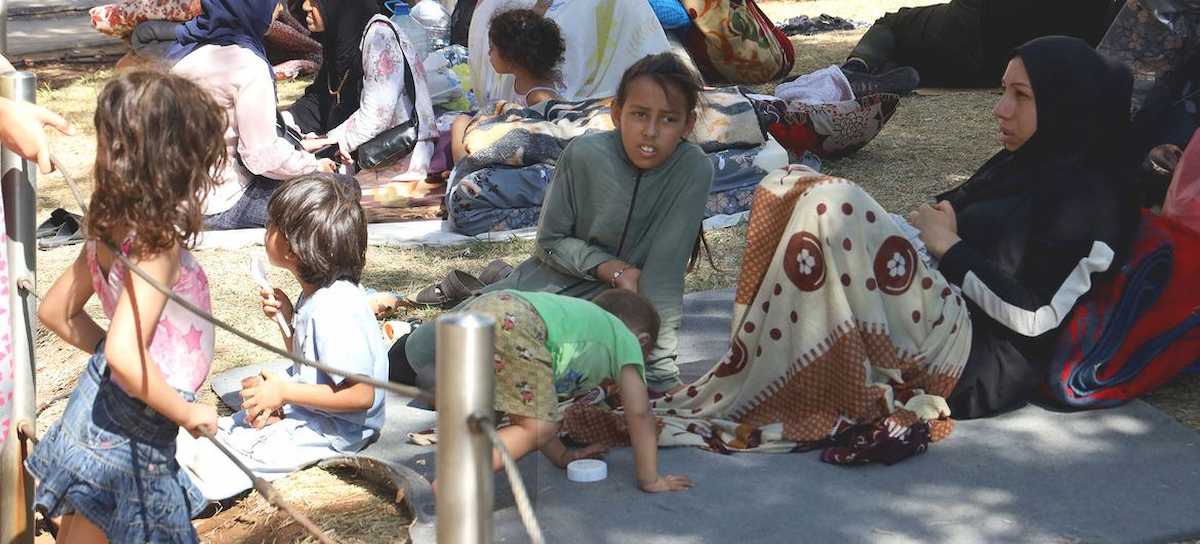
{"x": 223, "y": 51}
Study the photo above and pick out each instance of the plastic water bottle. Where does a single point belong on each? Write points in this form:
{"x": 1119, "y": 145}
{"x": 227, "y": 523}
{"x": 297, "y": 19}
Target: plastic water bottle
{"x": 433, "y": 16}
{"x": 411, "y": 28}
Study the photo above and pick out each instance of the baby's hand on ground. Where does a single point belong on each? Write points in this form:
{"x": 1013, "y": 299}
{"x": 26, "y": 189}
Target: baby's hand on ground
{"x": 670, "y": 482}
{"x": 201, "y": 420}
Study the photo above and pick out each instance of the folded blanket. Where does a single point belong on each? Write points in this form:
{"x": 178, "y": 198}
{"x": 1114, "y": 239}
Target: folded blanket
{"x": 503, "y": 198}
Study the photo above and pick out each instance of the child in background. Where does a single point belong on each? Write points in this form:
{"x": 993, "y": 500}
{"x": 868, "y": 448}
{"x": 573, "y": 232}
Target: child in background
{"x": 316, "y": 230}
{"x": 108, "y": 466}
{"x": 550, "y": 347}
{"x": 529, "y": 46}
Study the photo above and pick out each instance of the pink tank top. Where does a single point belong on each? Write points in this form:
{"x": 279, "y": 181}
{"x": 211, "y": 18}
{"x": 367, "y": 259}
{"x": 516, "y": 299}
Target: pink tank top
{"x": 182, "y": 346}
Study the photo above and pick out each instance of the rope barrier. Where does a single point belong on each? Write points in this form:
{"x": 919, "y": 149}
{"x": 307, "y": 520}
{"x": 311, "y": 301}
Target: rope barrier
{"x": 270, "y": 493}
{"x": 524, "y": 507}
{"x": 25, "y": 432}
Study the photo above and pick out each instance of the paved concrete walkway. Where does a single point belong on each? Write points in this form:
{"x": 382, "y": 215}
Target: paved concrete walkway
{"x": 1129, "y": 474}
{"x": 49, "y": 29}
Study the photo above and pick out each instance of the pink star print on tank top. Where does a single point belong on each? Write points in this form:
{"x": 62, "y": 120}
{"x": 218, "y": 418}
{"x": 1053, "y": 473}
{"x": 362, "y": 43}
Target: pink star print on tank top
{"x": 182, "y": 346}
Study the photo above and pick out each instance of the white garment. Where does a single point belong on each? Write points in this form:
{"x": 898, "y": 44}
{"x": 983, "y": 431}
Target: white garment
{"x": 271, "y": 453}
{"x": 603, "y": 38}
{"x": 824, "y": 86}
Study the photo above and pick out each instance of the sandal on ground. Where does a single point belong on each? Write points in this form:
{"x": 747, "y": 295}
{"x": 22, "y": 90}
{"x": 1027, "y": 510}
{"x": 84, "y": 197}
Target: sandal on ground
{"x": 57, "y": 218}
{"x": 68, "y": 233}
{"x": 454, "y": 288}
{"x": 495, "y": 271}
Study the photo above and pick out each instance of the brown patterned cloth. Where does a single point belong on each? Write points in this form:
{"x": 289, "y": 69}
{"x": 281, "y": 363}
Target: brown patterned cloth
{"x": 838, "y": 324}
{"x": 1151, "y": 48}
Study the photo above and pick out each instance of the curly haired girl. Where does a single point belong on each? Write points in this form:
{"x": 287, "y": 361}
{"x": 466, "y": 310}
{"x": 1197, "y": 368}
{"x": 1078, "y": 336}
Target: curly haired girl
{"x": 529, "y": 46}
{"x": 108, "y": 466}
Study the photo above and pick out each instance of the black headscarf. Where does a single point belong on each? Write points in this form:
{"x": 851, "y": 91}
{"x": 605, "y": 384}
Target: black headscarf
{"x": 345, "y": 21}
{"x": 1080, "y": 144}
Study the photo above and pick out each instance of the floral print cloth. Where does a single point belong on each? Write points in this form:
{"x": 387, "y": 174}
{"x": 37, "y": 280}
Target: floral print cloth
{"x": 118, "y": 19}
{"x": 829, "y": 130}
{"x": 840, "y": 327}
{"x": 734, "y": 41}
{"x": 384, "y": 105}
{"x": 1151, "y": 48}
{"x": 182, "y": 346}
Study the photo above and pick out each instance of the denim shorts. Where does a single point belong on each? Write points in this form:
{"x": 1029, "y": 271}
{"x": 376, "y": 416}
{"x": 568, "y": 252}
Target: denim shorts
{"x": 111, "y": 459}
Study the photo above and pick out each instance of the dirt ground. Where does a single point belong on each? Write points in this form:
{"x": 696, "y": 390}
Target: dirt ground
{"x": 936, "y": 139}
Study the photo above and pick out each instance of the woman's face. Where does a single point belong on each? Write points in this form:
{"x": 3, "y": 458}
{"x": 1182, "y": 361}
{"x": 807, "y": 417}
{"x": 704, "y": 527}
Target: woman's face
{"x": 1017, "y": 109}
{"x": 313, "y": 16}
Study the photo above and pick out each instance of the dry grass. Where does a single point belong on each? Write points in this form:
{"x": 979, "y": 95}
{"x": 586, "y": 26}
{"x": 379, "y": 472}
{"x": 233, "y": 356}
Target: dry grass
{"x": 348, "y": 509}
{"x": 936, "y": 139}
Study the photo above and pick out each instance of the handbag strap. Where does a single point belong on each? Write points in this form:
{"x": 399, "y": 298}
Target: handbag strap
{"x": 410, "y": 87}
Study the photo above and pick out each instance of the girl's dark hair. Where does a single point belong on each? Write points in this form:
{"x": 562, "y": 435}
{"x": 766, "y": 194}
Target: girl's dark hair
{"x": 159, "y": 139}
{"x": 669, "y": 72}
{"x": 530, "y": 40}
{"x": 324, "y": 224}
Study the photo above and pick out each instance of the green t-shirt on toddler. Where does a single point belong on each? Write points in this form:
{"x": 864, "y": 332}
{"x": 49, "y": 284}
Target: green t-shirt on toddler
{"x": 588, "y": 344}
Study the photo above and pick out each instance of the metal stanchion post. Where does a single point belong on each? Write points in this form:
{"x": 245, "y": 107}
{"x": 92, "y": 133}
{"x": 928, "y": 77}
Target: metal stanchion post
{"x": 18, "y": 181}
{"x": 4, "y": 27}
{"x": 465, "y": 390}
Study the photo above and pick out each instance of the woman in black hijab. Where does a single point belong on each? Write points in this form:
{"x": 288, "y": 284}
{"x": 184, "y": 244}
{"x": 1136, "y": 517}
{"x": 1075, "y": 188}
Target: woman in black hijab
{"x": 1042, "y": 220}
{"x": 335, "y": 93}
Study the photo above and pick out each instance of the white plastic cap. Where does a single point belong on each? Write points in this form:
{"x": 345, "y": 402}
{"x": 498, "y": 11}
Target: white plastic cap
{"x": 587, "y": 470}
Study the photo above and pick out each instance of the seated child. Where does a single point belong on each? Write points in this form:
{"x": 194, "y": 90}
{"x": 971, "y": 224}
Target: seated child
{"x": 317, "y": 231}
{"x": 552, "y": 346}
{"x": 529, "y": 46}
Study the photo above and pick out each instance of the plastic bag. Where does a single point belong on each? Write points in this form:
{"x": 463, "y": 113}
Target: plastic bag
{"x": 445, "y": 86}
{"x": 1182, "y": 203}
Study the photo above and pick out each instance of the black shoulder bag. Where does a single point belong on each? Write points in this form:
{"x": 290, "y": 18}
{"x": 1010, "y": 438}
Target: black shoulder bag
{"x": 393, "y": 144}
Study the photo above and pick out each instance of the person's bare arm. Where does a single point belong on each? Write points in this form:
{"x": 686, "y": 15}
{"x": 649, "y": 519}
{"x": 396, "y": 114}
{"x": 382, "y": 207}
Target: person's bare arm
{"x": 644, "y": 436}
{"x": 62, "y": 310}
{"x": 272, "y": 391}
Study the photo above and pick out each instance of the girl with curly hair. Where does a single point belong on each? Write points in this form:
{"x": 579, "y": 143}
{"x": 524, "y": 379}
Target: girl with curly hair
{"x": 530, "y": 47}
{"x": 526, "y": 44}
{"x": 107, "y": 468}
